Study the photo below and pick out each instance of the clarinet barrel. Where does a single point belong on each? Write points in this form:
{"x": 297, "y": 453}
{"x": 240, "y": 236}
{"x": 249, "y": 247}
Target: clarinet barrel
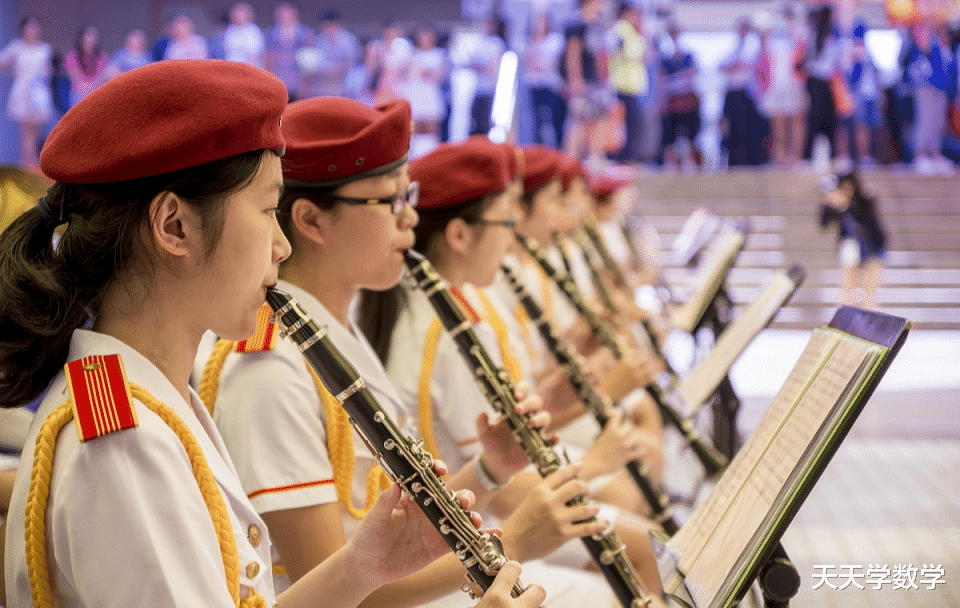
{"x": 403, "y": 459}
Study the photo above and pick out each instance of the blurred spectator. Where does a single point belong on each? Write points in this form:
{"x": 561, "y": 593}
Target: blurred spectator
{"x": 60, "y": 85}
{"x": 243, "y": 39}
{"x": 681, "y": 104}
{"x": 583, "y": 68}
{"x": 31, "y": 102}
{"x": 651, "y": 136}
{"x": 86, "y": 64}
{"x": 284, "y": 40}
{"x": 783, "y": 98}
{"x": 427, "y": 68}
{"x": 862, "y": 238}
{"x": 386, "y": 60}
{"x": 485, "y": 61}
{"x": 541, "y": 63}
{"x": 822, "y": 62}
{"x": 743, "y": 122}
{"x": 132, "y": 55}
{"x": 628, "y": 75}
{"x": 338, "y": 52}
{"x": 929, "y": 66}
{"x": 865, "y": 86}
{"x": 185, "y": 43}
{"x": 217, "y": 47}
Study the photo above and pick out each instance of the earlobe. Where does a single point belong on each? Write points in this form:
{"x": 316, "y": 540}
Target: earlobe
{"x": 170, "y": 227}
{"x": 308, "y": 220}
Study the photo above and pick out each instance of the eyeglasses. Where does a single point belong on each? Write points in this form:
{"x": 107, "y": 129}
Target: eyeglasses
{"x": 396, "y": 202}
{"x": 511, "y": 224}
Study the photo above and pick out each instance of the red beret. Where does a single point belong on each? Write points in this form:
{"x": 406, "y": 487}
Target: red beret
{"x": 332, "y": 140}
{"x": 515, "y": 162}
{"x": 541, "y": 165}
{"x": 604, "y": 186}
{"x": 163, "y": 117}
{"x": 570, "y": 168}
{"x": 458, "y": 173}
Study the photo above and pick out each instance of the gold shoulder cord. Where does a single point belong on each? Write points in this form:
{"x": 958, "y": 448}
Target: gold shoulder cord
{"x": 37, "y": 500}
{"x": 424, "y": 399}
{"x": 339, "y": 433}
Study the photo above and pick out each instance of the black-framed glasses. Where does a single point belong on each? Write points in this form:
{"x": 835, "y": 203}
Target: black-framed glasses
{"x": 396, "y": 202}
{"x": 511, "y": 224}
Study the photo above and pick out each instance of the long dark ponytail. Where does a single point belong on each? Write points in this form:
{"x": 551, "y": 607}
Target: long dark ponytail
{"x": 378, "y": 311}
{"x": 47, "y": 292}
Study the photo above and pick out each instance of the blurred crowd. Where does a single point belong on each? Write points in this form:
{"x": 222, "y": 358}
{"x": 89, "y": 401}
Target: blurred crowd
{"x": 604, "y": 82}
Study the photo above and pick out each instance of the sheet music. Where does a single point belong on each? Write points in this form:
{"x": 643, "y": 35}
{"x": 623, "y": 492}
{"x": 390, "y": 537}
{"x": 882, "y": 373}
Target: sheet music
{"x": 693, "y": 536}
{"x": 697, "y": 387}
{"x": 709, "y": 279}
{"x": 826, "y": 379}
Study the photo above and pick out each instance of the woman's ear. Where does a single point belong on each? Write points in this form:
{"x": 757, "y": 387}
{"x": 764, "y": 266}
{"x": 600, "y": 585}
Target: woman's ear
{"x": 308, "y": 221}
{"x": 458, "y": 235}
{"x": 175, "y": 227}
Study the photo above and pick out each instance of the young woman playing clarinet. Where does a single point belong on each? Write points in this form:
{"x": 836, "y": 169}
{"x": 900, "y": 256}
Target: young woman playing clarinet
{"x": 348, "y": 210}
{"x": 165, "y": 201}
{"x": 467, "y": 217}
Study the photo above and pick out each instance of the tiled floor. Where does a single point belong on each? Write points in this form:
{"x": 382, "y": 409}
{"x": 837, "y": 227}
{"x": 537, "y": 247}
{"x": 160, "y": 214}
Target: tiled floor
{"x": 881, "y": 502}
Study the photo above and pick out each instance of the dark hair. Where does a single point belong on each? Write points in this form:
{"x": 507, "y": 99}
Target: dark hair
{"x": 864, "y": 209}
{"x": 331, "y": 15}
{"x": 46, "y": 293}
{"x": 82, "y": 57}
{"x": 820, "y": 19}
{"x": 321, "y": 197}
{"x": 624, "y": 8}
{"x": 378, "y": 311}
{"x": 27, "y": 19}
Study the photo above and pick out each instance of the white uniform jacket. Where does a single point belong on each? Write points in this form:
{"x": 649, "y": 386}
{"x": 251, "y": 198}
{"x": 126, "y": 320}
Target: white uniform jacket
{"x": 126, "y": 522}
{"x": 269, "y": 412}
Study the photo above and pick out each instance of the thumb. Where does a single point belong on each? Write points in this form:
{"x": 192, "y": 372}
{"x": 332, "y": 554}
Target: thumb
{"x": 385, "y": 503}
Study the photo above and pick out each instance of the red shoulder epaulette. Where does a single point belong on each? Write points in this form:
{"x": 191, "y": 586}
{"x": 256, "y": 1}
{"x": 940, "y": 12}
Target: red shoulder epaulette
{"x": 265, "y": 338}
{"x": 101, "y": 396}
{"x": 468, "y": 310}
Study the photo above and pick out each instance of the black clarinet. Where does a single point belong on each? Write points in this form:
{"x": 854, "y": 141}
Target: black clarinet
{"x": 712, "y": 460}
{"x": 606, "y": 550}
{"x": 405, "y": 461}
{"x": 564, "y": 254}
{"x": 600, "y": 327}
{"x": 602, "y": 290}
{"x": 635, "y": 258}
{"x": 592, "y": 231}
{"x": 599, "y": 404}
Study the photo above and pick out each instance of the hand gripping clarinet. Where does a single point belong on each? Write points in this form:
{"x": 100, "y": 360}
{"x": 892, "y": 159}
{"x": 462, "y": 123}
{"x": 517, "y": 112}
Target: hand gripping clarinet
{"x": 598, "y": 403}
{"x": 607, "y": 550}
{"x": 711, "y": 459}
{"x": 599, "y": 326}
{"x": 402, "y": 458}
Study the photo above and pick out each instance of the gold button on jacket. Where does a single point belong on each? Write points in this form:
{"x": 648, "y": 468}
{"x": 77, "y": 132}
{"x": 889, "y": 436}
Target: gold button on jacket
{"x": 253, "y": 569}
{"x": 253, "y": 535}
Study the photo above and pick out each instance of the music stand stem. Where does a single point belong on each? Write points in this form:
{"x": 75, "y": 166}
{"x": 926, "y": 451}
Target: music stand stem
{"x": 778, "y": 578}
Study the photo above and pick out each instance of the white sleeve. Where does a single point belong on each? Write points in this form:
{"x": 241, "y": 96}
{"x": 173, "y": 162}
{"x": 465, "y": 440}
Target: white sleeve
{"x": 271, "y": 418}
{"x": 457, "y": 397}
